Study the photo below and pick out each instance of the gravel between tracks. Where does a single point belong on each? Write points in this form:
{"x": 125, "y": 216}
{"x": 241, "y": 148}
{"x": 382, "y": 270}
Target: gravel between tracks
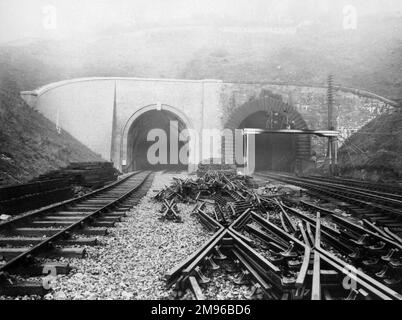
{"x": 134, "y": 257}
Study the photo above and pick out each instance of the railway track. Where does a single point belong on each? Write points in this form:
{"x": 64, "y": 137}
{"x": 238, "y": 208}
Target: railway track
{"x": 392, "y": 190}
{"x": 282, "y": 252}
{"x": 377, "y": 209}
{"x": 28, "y": 242}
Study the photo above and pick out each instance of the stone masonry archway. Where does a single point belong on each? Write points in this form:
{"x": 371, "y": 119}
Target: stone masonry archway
{"x": 279, "y": 115}
{"x": 133, "y": 137}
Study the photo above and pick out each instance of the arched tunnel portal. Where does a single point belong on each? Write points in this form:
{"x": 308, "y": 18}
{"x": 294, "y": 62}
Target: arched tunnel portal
{"x": 273, "y": 151}
{"x": 138, "y": 143}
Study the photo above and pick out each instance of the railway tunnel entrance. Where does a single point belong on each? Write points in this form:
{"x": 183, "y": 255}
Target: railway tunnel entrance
{"x": 146, "y": 150}
{"x": 273, "y": 151}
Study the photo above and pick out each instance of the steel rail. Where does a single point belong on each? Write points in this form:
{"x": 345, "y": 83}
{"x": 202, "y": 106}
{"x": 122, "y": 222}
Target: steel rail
{"x": 304, "y": 235}
{"x": 207, "y": 220}
{"x": 331, "y": 235}
{"x": 285, "y": 217}
{"x": 345, "y": 224}
{"x": 331, "y": 188}
{"x": 65, "y": 203}
{"x": 300, "y": 281}
{"x": 189, "y": 269}
{"x": 266, "y": 269}
{"x": 254, "y": 273}
{"x": 250, "y": 259}
{"x": 195, "y": 287}
{"x": 376, "y": 229}
{"x": 390, "y": 211}
{"x": 393, "y": 235}
{"x": 316, "y": 285}
{"x": 175, "y": 272}
{"x": 268, "y": 239}
{"x": 283, "y": 235}
{"x": 276, "y": 230}
{"x": 373, "y": 187}
{"x": 359, "y": 277}
{"x": 49, "y": 242}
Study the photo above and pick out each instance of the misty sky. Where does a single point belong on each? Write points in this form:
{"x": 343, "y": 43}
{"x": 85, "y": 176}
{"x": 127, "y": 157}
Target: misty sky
{"x": 21, "y": 19}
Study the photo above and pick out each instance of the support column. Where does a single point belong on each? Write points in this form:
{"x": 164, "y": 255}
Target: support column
{"x": 335, "y": 155}
{"x": 250, "y": 154}
{"x": 246, "y": 171}
{"x": 329, "y": 153}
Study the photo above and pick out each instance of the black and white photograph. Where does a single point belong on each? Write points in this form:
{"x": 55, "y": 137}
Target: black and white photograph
{"x": 206, "y": 157}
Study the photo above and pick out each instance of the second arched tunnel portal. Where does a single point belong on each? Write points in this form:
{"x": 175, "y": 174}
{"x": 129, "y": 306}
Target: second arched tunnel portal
{"x": 272, "y": 151}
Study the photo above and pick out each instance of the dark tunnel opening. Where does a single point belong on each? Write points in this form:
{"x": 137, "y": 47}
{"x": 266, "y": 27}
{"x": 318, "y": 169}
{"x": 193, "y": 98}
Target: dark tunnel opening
{"x": 138, "y": 146}
{"x": 273, "y": 151}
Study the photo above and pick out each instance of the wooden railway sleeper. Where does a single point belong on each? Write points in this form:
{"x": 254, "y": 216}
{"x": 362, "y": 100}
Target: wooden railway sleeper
{"x": 195, "y": 288}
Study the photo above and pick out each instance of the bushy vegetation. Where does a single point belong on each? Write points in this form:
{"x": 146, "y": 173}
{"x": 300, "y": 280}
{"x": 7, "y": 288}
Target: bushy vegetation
{"x": 376, "y": 146}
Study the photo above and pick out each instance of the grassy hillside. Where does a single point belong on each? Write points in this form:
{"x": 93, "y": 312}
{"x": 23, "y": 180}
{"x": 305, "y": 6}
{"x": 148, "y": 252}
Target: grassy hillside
{"x": 30, "y": 144}
{"x": 367, "y": 58}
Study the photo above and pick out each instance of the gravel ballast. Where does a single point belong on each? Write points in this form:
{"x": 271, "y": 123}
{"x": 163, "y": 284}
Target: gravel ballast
{"x": 133, "y": 258}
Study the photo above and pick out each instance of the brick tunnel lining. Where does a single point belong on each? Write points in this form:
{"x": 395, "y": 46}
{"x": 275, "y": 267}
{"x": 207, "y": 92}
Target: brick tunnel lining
{"x": 138, "y": 146}
{"x": 273, "y": 151}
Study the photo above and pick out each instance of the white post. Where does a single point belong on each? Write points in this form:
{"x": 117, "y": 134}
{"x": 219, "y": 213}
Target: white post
{"x": 247, "y": 154}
